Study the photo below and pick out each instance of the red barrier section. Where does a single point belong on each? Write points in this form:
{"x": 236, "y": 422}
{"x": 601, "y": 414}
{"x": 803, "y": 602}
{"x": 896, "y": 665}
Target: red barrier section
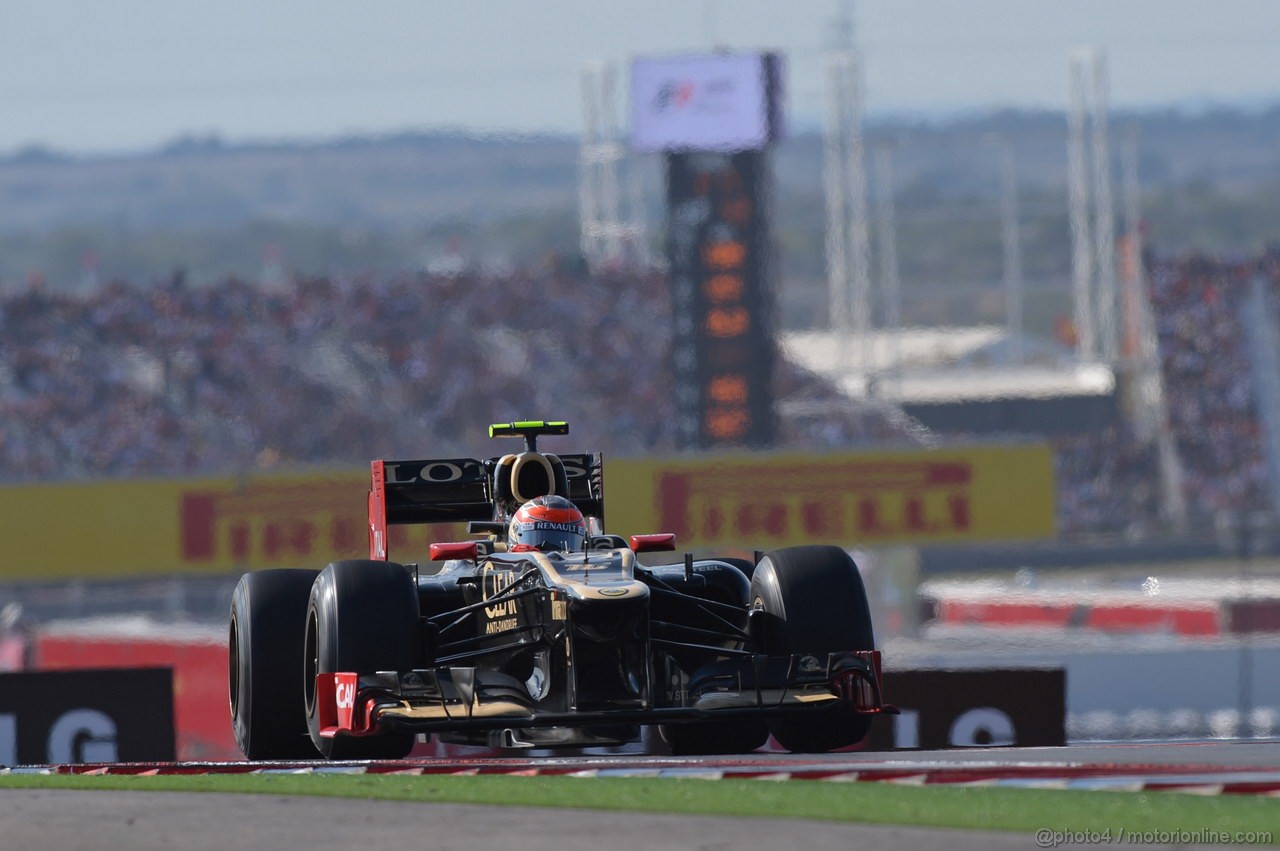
{"x": 1181, "y": 620}
{"x": 201, "y": 713}
{"x": 1192, "y": 619}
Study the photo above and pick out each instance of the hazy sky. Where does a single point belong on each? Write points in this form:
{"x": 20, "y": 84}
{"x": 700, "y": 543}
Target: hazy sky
{"x": 85, "y": 75}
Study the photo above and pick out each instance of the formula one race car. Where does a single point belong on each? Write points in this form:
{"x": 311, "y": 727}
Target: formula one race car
{"x": 546, "y": 631}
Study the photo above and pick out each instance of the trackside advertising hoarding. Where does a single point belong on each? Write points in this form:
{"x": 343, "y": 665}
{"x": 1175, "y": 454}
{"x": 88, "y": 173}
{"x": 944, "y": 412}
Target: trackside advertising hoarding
{"x": 1023, "y": 707}
{"x": 748, "y": 500}
{"x": 765, "y": 501}
{"x": 121, "y": 715}
{"x": 135, "y": 528}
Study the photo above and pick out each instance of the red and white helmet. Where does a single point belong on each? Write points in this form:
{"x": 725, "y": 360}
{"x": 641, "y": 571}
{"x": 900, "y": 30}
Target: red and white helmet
{"x": 547, "y": 523}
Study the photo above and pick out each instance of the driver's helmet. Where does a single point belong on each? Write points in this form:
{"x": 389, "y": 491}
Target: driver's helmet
{"x": 547, "y": 523}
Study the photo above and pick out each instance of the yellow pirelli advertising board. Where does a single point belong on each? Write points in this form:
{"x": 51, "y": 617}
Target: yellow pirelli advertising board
{"x": 747, "y": 501}
{"x": 132, "y": 528}
{"x": 985, "y": 493}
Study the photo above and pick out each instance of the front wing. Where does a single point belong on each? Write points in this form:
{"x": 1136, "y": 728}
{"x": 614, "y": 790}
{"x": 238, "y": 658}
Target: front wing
{"x": 456, "y": 699}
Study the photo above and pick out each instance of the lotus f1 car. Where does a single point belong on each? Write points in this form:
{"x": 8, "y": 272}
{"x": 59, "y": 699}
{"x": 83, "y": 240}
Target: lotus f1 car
{"x": 516, "y": 647}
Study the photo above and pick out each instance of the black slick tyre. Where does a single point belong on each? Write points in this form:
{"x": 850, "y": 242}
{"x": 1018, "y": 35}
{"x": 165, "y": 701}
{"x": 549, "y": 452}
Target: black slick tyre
{"x": 719, "y": 737}
{"x": 362, "y": 616}
{"x": 268, "y": 613}
{"x": 816, "y": 602}
{"x": 715, "y": 738}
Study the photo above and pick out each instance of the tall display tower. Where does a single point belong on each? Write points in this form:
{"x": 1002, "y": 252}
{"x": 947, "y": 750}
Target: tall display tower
{"x": 714, "y": 118}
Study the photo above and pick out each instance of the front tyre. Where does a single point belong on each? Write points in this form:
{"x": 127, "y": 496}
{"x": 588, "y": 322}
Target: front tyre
{"x": 817, "y": 604}
{"x": 362, "y": 616}
{"x": 718, "y": 737}
{"x": 715, "y": 738}
{"x": 264, "y": 677}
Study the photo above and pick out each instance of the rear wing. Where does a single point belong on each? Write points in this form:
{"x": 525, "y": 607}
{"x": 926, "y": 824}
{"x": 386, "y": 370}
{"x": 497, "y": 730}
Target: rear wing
{"x": 455, "y": 490}
{"x": 586, "y": 482}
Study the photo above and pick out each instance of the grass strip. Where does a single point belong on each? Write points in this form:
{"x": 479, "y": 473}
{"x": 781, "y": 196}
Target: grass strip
{"x": 994, "y": 808}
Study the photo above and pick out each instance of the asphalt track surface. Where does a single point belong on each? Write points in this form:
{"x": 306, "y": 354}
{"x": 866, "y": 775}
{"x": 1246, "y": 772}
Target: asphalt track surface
{"x": 64, "y": 819}
{"x": 179, "y": 821}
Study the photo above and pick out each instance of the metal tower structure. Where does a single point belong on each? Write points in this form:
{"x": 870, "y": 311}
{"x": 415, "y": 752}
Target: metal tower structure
{"x": 1107, "y": 302}
{"x": 887, "y": 253}
{"x": 1078, "y": 209}
{"x": 848, "y": 230}
{"x": 1151, "y": 408}
{"x": 1263, "y": 344}
{"x": 606, "y": 236}
{"x": 1091, "y": 208}
{"x": 835, "y": 168}
{"x": 1012, "y": 246}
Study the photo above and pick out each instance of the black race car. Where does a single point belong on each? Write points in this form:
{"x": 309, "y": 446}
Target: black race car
{"x": 518, "y": 646}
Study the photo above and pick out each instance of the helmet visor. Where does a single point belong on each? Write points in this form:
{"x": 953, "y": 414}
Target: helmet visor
{"x": 550, "y": 535}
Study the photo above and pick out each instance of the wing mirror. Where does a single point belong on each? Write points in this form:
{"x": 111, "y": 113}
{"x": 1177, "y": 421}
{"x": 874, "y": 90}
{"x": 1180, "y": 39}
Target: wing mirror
{"x": 468, "y": 550}
{"x": 486, "y": 527}
{"x": 655, "y": 543}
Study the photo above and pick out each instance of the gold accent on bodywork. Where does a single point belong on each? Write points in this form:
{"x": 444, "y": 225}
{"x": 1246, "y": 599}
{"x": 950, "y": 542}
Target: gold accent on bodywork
{"x": 630, "y": 590}
{"x": 537, "y": 459}
{"x": 767, "y": 697}
{"x": 457, "y": 712}
{"x": 613, "y": 570}
{"x": 502, "y": 580}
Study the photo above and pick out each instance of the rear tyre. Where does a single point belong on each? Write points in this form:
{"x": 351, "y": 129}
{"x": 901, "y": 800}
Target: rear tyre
{"x": 817, "y": 603}
{"x": 362, "y": 616}
{"x": 264, "y": 677}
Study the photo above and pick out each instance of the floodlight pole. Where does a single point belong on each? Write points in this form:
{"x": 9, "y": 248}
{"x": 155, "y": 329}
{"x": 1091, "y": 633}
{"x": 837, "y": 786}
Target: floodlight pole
{"x": 1153, "y": 404}
{"x": 604, "y": 237}
{"x": 1107, "y": 303}
{"x": 887, "y": 252}
{"x": 860, "y": 238}
{"x": 836, "y": 186}
{"x": 1012, "y": 246}
{"x": 1078, "y": 209}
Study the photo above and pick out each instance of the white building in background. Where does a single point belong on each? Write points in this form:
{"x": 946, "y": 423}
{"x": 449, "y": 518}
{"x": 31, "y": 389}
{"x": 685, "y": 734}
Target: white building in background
{"x": 932, "y": 365}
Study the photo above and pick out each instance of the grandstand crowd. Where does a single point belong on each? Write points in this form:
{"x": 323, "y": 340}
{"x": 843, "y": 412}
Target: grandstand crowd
{"x": 1199, "y": 306}
{"x": 1108, "y": 481}
{"x": 171, "y": 378}
{"x": 175, "y": 378}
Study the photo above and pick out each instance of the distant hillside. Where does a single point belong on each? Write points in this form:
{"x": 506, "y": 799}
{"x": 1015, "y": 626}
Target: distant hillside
{"x": 1210, "y": 181}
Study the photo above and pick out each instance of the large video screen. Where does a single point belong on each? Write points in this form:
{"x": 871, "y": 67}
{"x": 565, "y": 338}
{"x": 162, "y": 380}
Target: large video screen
{"x": 726, "y": 102}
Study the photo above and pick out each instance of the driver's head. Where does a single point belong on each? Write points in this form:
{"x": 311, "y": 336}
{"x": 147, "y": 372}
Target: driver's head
{"x": 547, "y": 523}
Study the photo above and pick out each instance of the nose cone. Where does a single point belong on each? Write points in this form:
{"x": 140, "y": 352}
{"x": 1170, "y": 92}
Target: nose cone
{"x": 611, "y": 617}
{"x": 603, "y": 590}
